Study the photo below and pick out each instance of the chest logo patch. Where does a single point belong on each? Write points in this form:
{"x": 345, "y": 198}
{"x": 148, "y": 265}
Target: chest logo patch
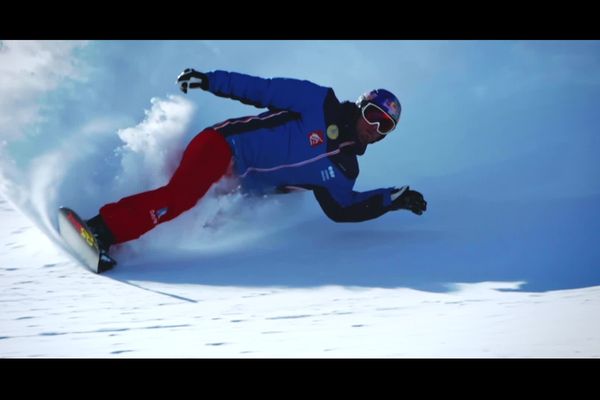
{"x": 315, "y": 138}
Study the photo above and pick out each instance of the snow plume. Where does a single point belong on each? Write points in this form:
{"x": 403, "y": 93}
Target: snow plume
{"x": 152, "y": 149}
{"x": 29, "y": 70}
{"x": 63, "y": 175}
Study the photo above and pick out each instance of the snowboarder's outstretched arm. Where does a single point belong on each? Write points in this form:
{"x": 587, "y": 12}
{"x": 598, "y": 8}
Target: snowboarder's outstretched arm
{"x": 369, "y": 205}
{"x": 274, "y": 93}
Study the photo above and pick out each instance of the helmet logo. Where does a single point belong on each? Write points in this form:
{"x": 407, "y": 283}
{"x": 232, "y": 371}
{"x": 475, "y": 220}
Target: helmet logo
{"x": 392, "y": 106}
{"x": 383, "y": 99}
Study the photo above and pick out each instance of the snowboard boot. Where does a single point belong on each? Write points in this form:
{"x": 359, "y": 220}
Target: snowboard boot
{"x": 105, "y": 239}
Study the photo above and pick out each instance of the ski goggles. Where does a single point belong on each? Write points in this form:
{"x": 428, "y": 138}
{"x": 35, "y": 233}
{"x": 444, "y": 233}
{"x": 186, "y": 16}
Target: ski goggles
{"x": 374, "y": 115}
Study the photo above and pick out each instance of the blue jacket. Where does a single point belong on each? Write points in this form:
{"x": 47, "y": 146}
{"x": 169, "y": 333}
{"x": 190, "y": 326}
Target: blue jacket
{"x": 302, "y": 141}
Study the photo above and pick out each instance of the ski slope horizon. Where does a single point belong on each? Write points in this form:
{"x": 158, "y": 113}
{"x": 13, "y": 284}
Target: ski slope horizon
{"x": 500, "y": 137}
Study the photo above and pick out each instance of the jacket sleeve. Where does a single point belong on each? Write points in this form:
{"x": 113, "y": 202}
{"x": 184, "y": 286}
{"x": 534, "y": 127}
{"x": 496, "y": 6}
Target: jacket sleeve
{"x": 354, "y": 206}
{"x": 275, "y": 93}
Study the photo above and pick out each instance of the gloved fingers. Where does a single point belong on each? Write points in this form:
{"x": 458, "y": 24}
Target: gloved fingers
{"x": 419, "y": 207}
{"x": 419, "y": 200}
{"x": 416, "y": 195}
{"x": 182, "y": 76}
{"x": 184, "y": 80}
{"x": 417, "y": 211}
{"x": 183, "y": 86}
{"x": 186, "y": 75}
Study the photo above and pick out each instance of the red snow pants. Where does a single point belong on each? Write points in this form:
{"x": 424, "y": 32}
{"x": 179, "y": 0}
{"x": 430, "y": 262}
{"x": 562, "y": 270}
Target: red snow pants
{"x": 205, "y": 161}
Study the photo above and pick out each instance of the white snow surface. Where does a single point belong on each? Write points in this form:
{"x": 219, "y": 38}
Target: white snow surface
{"x": 52, "y": 307}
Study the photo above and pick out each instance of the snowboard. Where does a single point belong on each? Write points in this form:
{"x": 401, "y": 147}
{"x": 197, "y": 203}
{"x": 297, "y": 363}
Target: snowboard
{"x": 82, "y": 243}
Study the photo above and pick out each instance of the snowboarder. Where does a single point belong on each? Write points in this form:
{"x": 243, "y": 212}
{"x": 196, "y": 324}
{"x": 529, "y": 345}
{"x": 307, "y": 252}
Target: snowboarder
{"x": 307, "y": 139}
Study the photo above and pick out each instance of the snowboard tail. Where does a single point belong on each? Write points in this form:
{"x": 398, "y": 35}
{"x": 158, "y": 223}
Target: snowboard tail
{"x": 81, "y": 241}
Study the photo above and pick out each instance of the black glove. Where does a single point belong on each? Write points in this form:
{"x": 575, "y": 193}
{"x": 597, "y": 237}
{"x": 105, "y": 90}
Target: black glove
{"x": 192, "y": 79}
{"x": 404, "y": 198}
